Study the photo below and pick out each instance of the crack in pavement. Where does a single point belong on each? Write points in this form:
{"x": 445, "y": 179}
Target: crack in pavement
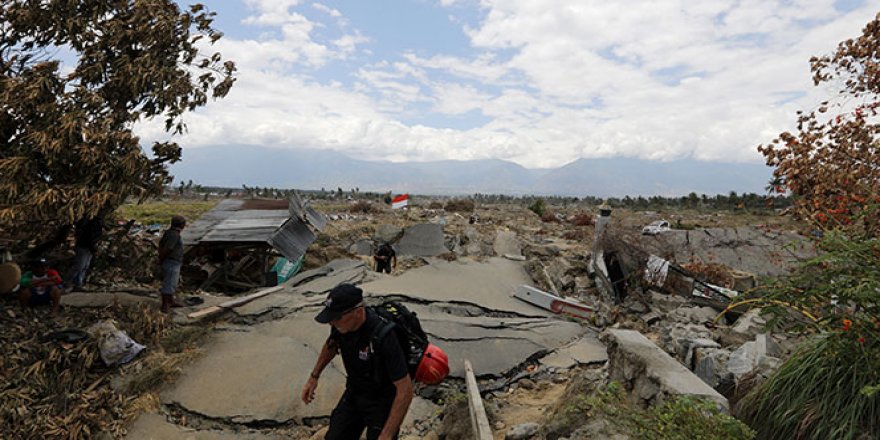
{"x": 183, "y": 416}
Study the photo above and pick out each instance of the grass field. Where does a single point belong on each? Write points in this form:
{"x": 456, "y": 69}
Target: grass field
{"x": 160, "y": 211}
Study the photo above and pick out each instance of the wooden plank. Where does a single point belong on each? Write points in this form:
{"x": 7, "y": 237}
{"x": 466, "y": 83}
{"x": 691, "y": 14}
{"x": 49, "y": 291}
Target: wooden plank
{"x": 479, "y": 420}
{"x": 553, "y": 303}
{"x": 233, "y": 303}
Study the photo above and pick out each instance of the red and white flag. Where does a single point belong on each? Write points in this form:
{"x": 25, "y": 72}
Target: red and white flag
{"x": 400, "y": 201}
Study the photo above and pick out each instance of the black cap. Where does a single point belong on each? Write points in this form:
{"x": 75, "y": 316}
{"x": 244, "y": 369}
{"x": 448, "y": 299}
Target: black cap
{"x": 42, "y": 262}
{"x": 341, "y": 299}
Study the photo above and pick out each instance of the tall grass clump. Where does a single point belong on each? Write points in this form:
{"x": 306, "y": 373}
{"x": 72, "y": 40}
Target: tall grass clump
{"x": 819, "y": 393}
{"x": 829, "y": 388}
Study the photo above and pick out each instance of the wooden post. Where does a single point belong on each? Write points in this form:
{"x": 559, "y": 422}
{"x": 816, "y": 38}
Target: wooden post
{"x": 479, "y": 420}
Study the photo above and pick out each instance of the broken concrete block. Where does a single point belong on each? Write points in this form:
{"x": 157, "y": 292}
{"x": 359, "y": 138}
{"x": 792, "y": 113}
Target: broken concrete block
{"x": 677, "y": 340}
{"x": 651, "y": 317}
{"x": 636, "y": 307}
{"x": 506, "y": 243}
{"x": 696, "y": 315}
{"x": 422, "y": 240}
{"x": 710, "y": 365}
{"x": 649, "y": 374}
{"x": 742, "y": 360}
{"x": 666, "y": 302}
{"x": 751, "y": 323}
{"x": 387, "y": 233}
{"x": 765, "y": 345}
{"x": 524, "y": 431}
{"x": 362, "y": 247}
{"x": 691, "y": 345}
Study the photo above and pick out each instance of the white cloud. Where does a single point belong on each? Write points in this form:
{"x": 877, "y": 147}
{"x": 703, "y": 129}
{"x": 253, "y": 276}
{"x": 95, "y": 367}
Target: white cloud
{"x": 272, "y": 12}
{"x": 553, "y": 81}
{"x": 327, "y": 10}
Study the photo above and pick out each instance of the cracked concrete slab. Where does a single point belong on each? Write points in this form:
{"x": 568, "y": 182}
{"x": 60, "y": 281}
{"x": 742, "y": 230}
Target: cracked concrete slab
{"x": 254, "y": 373}
{"x": 155, "y": 427}
{"x": 343, "y": 271}
{"x": 311, "y": 287}
{"x": 488, "y": 284}
{"x": 257, "y": 375}
{"x": 585, "y": 351}
{"x": 422, "y": 240}
{"x": 758, "y": 251}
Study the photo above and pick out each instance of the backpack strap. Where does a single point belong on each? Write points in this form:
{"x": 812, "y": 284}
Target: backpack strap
{"x": 379, "y": 333}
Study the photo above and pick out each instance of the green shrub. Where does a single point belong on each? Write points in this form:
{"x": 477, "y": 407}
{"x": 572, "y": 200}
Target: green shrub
{"x": 687, "y": 418}
{"x": 538, "y": 207}
{"x": 683, "y": 418}
{"x": 822, "y": 392}
{"x": 826, "y": 389}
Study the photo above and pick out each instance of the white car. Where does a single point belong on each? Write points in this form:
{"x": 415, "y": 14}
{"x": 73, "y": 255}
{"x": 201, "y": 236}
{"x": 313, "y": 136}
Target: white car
{"x": 656, "y": 227}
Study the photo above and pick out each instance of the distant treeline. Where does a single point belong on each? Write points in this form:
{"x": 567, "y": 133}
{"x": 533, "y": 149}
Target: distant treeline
{"x": 730, "y": 201}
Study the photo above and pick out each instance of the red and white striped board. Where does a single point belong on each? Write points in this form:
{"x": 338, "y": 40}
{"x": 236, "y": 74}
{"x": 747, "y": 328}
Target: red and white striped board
{"x": 553, "y": 303}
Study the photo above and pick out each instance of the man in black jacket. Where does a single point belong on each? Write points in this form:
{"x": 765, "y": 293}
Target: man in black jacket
{"x": 378, "y": 389}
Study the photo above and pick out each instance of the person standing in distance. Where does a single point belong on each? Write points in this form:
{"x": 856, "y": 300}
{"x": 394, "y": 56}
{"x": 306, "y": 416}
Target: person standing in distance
{"x": 378, "y": 389}
{"x": 170, "y": 261}
{"x": 386, "y": 258}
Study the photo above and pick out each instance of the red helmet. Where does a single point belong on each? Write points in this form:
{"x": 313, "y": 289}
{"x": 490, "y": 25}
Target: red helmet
{"x": 433, "y": 367}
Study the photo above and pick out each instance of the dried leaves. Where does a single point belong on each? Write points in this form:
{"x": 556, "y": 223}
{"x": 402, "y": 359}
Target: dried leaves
{"x": 53, "y": 390}
{"x": 831, "y": 164}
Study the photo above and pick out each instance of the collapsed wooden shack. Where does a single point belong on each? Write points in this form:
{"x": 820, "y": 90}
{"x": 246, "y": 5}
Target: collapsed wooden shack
{"x": 236, "y": 245}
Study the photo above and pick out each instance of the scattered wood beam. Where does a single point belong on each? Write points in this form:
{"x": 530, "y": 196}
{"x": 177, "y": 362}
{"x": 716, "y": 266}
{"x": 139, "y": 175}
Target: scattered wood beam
{"x": 232, "y": 303}
{"x": 479, "y": 420}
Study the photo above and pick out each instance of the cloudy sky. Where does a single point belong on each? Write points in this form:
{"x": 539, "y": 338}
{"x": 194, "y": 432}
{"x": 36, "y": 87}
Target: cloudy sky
{"x": 537, "y": 82}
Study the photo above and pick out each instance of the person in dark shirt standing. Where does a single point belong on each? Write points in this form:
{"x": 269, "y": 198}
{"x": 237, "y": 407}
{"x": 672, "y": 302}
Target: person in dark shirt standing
{"x": 378, "y": 388}
{"x": 170, "y": 261}
{"x": 385, "y": 258}
{"x": 88, "y": 232}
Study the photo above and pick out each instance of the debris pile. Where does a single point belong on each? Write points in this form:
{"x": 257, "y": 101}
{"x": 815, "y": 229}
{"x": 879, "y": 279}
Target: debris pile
{"x": 58, "y": 388}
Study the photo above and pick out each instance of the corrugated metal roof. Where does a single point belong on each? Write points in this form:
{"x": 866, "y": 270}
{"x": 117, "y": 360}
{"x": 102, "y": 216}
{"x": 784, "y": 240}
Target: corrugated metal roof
{"x": 292, "y": 239}
{"x": 302, "y": 210}
{"x": 195, "y": 230}
{"x": 228, "y": 223}
{"x": 248, "y": 226}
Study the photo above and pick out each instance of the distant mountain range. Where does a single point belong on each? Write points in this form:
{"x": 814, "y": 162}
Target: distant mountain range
{"x": 234, "y": 165}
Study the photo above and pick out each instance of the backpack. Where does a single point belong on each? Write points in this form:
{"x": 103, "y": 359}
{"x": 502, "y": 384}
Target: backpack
{"x": 406, "y": 326}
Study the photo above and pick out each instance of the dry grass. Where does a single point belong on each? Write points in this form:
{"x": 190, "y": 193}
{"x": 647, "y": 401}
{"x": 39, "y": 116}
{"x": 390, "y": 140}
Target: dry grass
{"x": 160, "y": 211}
{"x": 460, "y": 205}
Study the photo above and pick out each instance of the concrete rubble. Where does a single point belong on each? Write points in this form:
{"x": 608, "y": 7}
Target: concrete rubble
{"x": 460, "y": 283}
{"x": 649, "y": 374}
{"x": 466, "y": 307}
